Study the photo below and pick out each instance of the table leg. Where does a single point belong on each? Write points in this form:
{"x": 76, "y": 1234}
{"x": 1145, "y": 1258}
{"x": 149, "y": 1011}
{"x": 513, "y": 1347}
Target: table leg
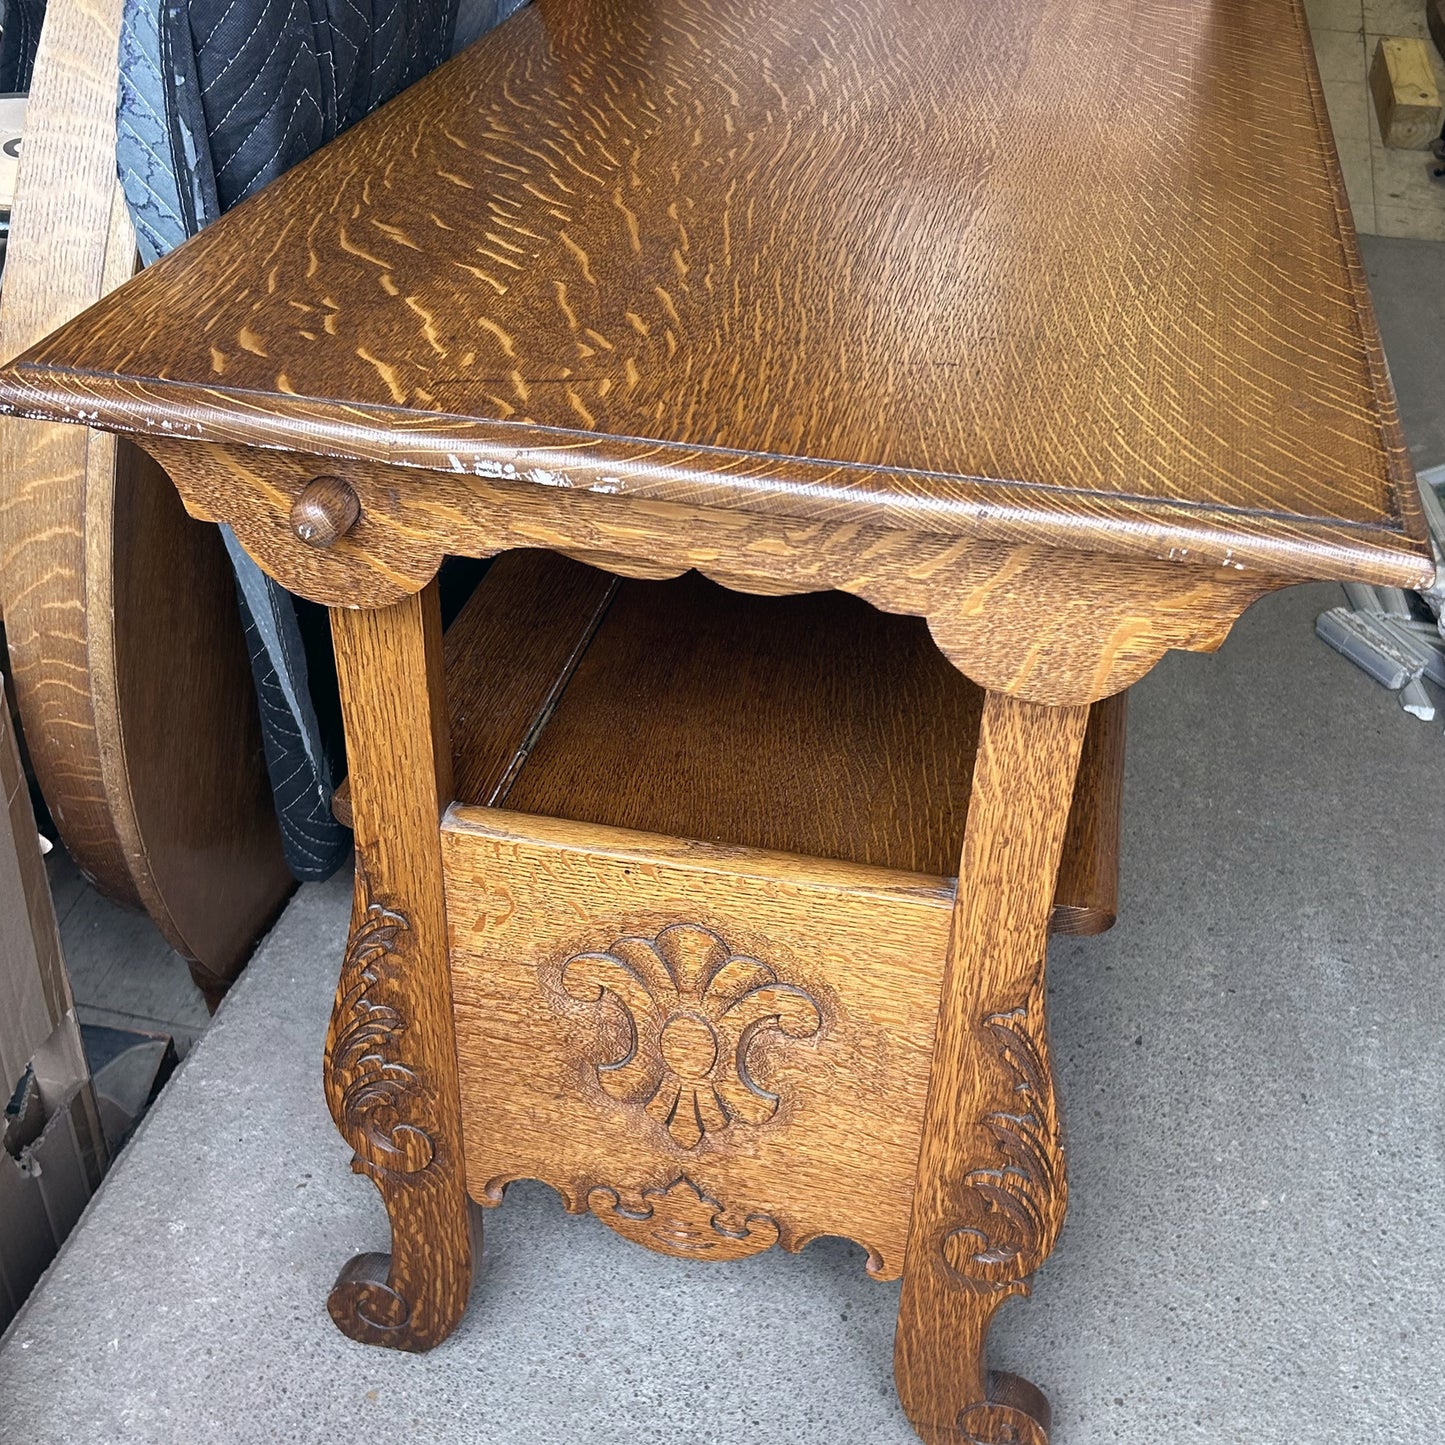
{"x": 991, "y": 1189}
{"x": 391, "y": 1077}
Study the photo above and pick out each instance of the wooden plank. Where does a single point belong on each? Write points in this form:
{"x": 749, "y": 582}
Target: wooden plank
{"x": 1086, "y": 899}
{"x": 568, "y": 939}
{"x": 813, "y": 725}
{"x": 1407, "y": 100}
{"x": 34, "y": 987}
{"x": 129, "y": 662}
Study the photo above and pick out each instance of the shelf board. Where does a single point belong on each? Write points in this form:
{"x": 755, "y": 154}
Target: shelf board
{"x": 813, "y": 725}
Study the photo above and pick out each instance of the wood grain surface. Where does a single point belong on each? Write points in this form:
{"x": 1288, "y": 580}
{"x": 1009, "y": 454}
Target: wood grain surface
{"x": 390, "y": 1069}
{"x": 326, "y": 510}
{"x": 120, "y": 610}
{"x": 773, "y": 1016}
{"x": 991, "y": 1189}
{"x": 811, "y": 725}
{"x": 508, "y": 654}
{"x": 817, "y": 260}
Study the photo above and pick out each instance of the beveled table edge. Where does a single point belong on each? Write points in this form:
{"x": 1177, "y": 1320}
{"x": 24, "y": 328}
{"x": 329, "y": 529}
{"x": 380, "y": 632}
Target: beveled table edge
{"x": 802, "y": 489}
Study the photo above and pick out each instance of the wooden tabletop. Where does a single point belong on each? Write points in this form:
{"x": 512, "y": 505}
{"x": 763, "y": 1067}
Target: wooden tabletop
{"x": 1085, "y": 264}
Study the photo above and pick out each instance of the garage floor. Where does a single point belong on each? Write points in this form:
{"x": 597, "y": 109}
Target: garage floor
{"x": 1391, "y": 192}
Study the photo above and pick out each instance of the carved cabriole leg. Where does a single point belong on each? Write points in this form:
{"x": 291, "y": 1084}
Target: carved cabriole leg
{"x": 991, "y": 1190}
{"x": 391, "y": 1077}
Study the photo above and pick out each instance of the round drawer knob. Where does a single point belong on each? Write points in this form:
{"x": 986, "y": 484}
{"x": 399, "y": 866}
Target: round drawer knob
{"x": 326, "y": 511}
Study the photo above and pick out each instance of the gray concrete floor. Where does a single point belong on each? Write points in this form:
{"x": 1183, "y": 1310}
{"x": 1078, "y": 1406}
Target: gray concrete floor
{"x": 1407, "y": 281}
{"x": 1250, "y": 1064}
{"x": 123, "y": 974}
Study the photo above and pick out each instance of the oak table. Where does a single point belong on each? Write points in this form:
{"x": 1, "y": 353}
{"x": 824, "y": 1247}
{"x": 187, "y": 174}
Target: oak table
{"x": 1040, "y": 321}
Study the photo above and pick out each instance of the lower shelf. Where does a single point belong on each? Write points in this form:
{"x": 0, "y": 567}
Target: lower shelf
{"x": 813, "y": 725}
{"x": 699, "y": 896}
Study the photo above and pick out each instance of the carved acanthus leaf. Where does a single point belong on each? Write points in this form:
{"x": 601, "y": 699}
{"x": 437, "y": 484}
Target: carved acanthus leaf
{"x": 1010, "y": 1213}
{"x": 377, "y": 1099}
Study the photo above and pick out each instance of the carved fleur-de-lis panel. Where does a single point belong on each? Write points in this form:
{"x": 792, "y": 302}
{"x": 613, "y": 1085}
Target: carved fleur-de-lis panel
{"x": 692, "y": 1009}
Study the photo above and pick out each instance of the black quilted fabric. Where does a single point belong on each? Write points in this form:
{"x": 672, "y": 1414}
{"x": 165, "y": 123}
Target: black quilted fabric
{"x": 316, "y": 844}
{"x": 275, "y": 79}
{"x": 18, "y": 42}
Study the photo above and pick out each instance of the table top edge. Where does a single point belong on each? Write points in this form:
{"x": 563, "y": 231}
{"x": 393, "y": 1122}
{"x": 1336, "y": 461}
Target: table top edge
{"x": 1393, "y": 551}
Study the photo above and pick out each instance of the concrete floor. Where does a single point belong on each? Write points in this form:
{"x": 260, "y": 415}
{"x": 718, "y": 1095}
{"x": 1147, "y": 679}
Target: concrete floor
{"x": 1392, "y": 192}
{"x": 123, "y": 974}
{"x": 1250, "y": 1064}
{"x": 1407, "y": 282}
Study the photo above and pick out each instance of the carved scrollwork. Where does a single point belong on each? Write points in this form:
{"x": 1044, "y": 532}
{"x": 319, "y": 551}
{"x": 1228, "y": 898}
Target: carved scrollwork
{"x": 999, "y": 1425}
{"x": 682, "y": 1220}
{"x": 1015, "y": 1413}
{"x": 363, "y": 1302}
{"x": 692, "y": 1011}
{"x": 1012, "y": 1212}
{"x": 376, "y": 1097}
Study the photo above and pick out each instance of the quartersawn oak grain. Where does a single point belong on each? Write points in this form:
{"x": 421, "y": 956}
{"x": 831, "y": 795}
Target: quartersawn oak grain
{"x": 546, "y": 915}
{"x": 618, "y": 244}
{"x": 1054, "y": 624}
{"x": 802, "y": 294}
{"x": 991, "y": 1188}
{"x": 810, "y": 725}
{"x": 390, "y": 1070}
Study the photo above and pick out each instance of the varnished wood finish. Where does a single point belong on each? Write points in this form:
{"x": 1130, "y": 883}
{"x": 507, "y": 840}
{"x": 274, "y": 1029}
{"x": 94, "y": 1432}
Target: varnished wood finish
{"x": 508, "y": 655}
{"x": 813, "y": 725}
{"x": 1106, "y": 622}
{"x": 810, "y": 725}
{"x": 1086, "y": 897}
{"x": 326, "y": 511}
{"x": 391, "y": 1076}
{"x": 129, "y": 663}
{"x": 991, "y": 1186}
{"x": 185, "y": 737}
{"x": 691, "y": 215}
{"x": 575, "y": 946}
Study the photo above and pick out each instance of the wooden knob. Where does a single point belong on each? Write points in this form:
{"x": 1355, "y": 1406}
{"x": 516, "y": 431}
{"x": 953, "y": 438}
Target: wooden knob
{"x": 326, "y": 510}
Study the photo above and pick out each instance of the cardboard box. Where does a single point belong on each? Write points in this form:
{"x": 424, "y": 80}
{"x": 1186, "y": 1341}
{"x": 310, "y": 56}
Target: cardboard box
{"x": 52, "y": 1150}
